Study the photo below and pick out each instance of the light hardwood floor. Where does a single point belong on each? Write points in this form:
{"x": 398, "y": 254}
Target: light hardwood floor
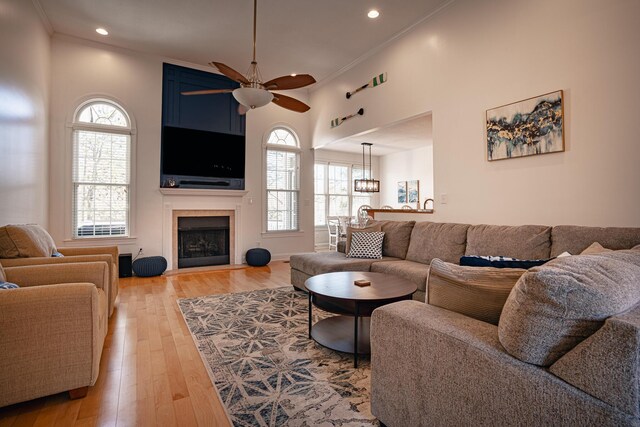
{"x": 150, "y": 372}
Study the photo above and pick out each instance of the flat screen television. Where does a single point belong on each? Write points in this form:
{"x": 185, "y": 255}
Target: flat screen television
{"x": 202, "y": 159}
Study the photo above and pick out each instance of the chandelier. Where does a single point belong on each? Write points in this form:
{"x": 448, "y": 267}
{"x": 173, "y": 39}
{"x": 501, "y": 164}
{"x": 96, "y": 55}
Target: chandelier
{"x": 366, "y": 185}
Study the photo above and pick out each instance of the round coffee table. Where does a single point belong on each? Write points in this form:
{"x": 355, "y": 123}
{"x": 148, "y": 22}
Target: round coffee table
{"x": 336, "y": 293}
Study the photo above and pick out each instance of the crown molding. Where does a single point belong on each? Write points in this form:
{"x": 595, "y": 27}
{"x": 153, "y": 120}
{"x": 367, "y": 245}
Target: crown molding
{"x": 43, "y": 16}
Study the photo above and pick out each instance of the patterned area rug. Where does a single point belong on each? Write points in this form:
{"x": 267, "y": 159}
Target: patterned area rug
{"x": 267, "y": 371}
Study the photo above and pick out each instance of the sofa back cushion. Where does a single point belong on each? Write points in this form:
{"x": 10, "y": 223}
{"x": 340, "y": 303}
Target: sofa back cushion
{"x": 574, "y": 239}
{"x": 429, "y": 240}
{"x": 25, "y": 241}
{"x": 521, "y": 241}
{"x": 351, "y": 230}
{"x": 556, "y": 306}
{"x": 478, "y": 292}
{"x": 396, "y": 237}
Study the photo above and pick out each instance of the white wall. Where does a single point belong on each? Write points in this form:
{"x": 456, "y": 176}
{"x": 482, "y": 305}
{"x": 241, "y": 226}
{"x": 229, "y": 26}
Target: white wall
{"x": 406, "y": 166}
{"x": 24, "y": 99}
{"x": 473, "y": 56}
{"x": 81, "y": 68}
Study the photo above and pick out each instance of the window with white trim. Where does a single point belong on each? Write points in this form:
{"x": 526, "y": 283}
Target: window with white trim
{"x": 101, "y": 170}
{"x": 282, "y": 156}
{"x": 334, "y": 194}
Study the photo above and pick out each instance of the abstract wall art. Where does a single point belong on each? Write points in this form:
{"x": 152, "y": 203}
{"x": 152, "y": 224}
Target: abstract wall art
{"x": 402, "y": 191}
{"x": 413, "y": 191}
{"x": 526, "y": 128}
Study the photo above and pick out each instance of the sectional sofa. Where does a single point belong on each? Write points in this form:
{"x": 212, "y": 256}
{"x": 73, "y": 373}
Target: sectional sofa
{"x": 409, "y": 247}
{"x": 564, "y": 350}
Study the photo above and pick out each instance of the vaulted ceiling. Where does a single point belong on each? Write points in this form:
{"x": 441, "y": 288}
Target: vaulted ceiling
{"x": 318, "y": 37}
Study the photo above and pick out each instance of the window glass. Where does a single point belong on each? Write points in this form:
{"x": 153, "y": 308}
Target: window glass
{"x": 102, "y": 113}
{"x": 282, "y": 181}
{"x": 101, "y": 173}
{"x": 334, "y": 194}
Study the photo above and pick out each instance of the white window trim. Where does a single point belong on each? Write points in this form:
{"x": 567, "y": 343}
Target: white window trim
{"x": 288, "y": 148}
{"x": 70, "y": 127}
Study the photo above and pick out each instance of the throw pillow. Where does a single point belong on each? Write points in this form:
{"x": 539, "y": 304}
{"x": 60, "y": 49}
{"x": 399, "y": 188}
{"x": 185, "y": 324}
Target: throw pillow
{"x": 595, "y": 248}
{"x": 7, "y": 285}
{"x": 350, "y": 230}
{"x": 556, "y": 306}
{"x": 366, "y": 245}
{"x": 500, "y": 262}
{"x": 57, "y": 254}
{"x": 475, "y": 292}
{"x": 25, "y": 241}
{"x": 2, "y": 276}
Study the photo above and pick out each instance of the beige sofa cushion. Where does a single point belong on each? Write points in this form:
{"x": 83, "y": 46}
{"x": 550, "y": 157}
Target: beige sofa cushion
{"x": 595, "y": 248}
{"x": 413, "y": 271}
{"x": 25, "y": 241}
{"x": 396, "y": 237}
{"x": 574, "y": 238}
{"x": 430, "y": 240}
{"x": 522, "y": 241}
{"x": 556, "y": 306}
{"x": 478, "y": 292}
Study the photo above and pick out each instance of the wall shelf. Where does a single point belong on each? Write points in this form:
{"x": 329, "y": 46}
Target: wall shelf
{"x": 202, "y": 192}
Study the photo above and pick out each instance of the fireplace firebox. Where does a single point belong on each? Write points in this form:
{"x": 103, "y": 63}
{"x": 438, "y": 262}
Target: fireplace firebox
{"x": 203, "y": 241}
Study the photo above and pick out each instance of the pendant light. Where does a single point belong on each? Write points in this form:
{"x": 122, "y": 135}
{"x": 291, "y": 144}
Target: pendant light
{"x": 366, "y": 185}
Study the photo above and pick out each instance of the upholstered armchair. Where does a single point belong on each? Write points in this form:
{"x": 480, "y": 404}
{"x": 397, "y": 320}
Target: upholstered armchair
{"x": 30, "y": 244}
{"x": 52, "y": 329}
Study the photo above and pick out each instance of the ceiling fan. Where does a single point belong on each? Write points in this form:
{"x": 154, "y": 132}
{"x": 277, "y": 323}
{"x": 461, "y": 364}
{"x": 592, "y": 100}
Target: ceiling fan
{"x": 253, "y": 93}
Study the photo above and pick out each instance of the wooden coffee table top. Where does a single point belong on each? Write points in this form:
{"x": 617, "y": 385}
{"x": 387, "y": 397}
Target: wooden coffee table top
{"x": 340, "y": 285}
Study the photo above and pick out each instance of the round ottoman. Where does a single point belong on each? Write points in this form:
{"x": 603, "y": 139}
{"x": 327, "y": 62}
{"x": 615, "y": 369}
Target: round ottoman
{"x": 258, "y": 257}
{"x": 149, "y": 266}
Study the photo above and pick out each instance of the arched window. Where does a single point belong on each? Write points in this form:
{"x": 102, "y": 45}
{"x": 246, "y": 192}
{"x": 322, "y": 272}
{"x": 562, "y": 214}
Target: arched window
{"x": 282, "y": 154}
{"x": 101, "y": 170}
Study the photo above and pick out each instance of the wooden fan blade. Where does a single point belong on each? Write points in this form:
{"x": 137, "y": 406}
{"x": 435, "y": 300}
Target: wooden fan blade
{"x": 206, "y": 91}
{"x": 230, "y": 72}
{"x": 290, "y": 82}
{"x": 289, "y": 103}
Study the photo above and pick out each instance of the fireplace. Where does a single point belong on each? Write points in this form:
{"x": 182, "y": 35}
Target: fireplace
{"x": 203, "y": 238}
{"x": 203, "y": 241}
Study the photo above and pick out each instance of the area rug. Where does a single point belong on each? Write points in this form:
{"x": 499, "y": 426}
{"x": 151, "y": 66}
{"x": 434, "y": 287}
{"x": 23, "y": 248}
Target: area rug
{"x": 267, "y": 371}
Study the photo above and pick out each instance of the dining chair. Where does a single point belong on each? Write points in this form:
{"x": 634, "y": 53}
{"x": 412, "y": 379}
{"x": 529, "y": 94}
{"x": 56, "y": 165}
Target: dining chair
{"x": 333, "y": 226}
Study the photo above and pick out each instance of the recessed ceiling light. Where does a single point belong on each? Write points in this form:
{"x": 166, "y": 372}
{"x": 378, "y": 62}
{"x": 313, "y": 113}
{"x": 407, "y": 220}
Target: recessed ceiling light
{"x": 293, "y": 74}
{"x": 373, "y": 14}
{"x": 102, "y": 31}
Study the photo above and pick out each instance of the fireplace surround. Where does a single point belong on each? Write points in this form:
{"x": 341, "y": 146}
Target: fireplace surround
{"x": 203, "y": 238}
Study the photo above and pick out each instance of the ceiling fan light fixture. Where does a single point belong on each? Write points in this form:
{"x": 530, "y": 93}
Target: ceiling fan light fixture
{"x": 252, "y": 97}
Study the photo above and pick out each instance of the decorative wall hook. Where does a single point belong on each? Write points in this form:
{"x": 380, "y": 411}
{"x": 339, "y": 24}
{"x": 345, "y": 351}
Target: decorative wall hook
{"x": 338, "y": 122}
{"x": 376, "y": 81}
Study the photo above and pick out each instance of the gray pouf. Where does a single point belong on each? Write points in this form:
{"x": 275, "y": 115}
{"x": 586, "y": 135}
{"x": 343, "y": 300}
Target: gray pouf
{"x": 149, "y": 266}
{"x": 258, "y": 257}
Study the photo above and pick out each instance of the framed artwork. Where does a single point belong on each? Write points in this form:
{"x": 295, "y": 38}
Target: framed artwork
{"x": 402, "y": 191}
{"x": 526, "y": 128}
{"x": 413, "y": 191}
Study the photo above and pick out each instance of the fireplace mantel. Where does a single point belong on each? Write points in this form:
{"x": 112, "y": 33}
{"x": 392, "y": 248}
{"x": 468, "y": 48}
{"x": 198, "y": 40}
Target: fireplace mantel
{"x": 202, "y": 192}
